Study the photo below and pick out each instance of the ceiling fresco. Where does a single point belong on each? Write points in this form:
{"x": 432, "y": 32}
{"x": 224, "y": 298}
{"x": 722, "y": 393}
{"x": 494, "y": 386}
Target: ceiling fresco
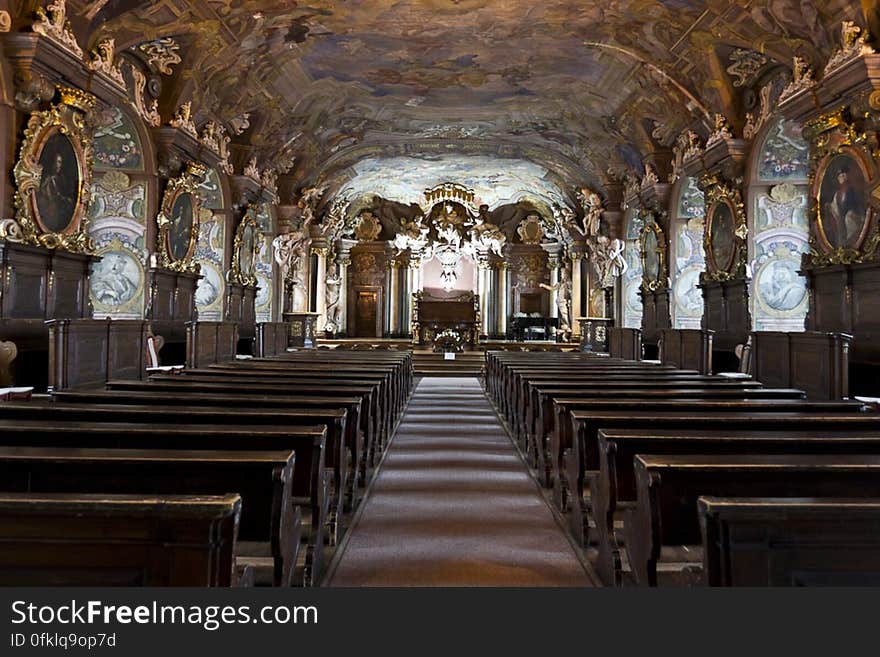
{"x": 596, "y": 85}
{"x": 494, "y": 181}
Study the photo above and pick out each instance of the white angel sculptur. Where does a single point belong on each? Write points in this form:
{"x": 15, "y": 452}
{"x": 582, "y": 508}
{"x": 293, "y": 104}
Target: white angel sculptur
{"x": 289, "y": 250}
{"x": 563, "y": 302}
{"x": 609, "y": 260}
{"x": 333, "y": 286}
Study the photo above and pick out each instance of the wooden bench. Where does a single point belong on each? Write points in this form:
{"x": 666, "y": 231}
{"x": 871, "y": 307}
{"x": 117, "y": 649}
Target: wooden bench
{"x": 269, "y": 530}
{"x": 790, "y": 541}
{"x": 613, "y": 489}
{"x": 180, "y": 386}
{"x": 118, "y": 540}
{"x": 582, "y": 459}
{"x": 310, "y": 485}
{"x": 664, "y": 529}
{"x": 552, "y": 405}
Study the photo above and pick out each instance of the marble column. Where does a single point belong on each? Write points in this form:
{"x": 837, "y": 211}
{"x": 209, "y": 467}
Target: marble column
{"x": 577, "y": 309}
{"x": 503, "y": 298}
{"x": 415, "y": 285}
{"x": 344, "y": 261}
{"x": 394, "y": 298}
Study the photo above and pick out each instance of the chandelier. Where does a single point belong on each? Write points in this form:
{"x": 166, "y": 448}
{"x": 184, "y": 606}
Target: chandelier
{"x": 457, "y": 235}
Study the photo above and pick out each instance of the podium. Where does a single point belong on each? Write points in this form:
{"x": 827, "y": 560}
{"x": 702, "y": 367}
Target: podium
{"x": 302, "y": 330}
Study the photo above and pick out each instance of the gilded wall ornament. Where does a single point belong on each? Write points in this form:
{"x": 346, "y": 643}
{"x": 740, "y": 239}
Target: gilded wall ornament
{"x": 52, "y": 22}
{"x": 178, "y": 221}
{"x": 368, "y": 227}
{"x": 148, "y": 110}
{"x": 251, "y": 170}
{"x": 102, "y": 59}
{"x": 531, "y": 230}
{"x": 53, "y": 176}
{"x": 721, "y": 132}
{"x": 803, "y": 78}
{"x": 5, "y": 21}
{"x": 245, "y": 249}
{"x": 162, "y": 54}
{"x": 845, "y": 198}
{"x": 853, "y": 44}
{"x": 183, "y": 120}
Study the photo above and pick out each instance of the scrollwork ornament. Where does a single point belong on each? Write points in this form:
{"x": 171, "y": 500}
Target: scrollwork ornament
{"x": 64, "y": 124}
{"x": 184, "y": 185}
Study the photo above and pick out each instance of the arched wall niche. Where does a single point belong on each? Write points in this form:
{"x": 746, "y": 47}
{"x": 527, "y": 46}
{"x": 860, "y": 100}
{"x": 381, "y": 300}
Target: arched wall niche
{"x": 268, "y": 299}
{"x": 213, "y": 248}
{"x": 778, "y": 201}
{"x": 631, "y": 282}
{"x": 687, "y": 256}
{"x": 121, "y": 213}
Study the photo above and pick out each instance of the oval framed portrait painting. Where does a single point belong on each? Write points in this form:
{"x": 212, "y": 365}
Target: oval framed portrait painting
{"x": 652, "y": 257}
{"x": 181, "y": 237}
{"x": 58, "y": 196}
{"x": 722, "y": 236}
{"x": 844, "y": 210}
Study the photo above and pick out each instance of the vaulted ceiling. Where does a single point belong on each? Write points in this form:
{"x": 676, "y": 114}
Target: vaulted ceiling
{"x": 574, "y": 87}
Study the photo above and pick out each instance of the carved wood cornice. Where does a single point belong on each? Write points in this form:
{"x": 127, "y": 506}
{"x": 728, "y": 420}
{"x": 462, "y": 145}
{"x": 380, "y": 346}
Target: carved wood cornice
{"x": 39, "y": 63}
{"x": 176, "y": 147}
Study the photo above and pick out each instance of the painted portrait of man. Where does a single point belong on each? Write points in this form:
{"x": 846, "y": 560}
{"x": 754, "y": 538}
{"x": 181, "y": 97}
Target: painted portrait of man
{"x": 843, "y": 206}
{"x": 180, "y": 230}
{"x": 722, "y": 236}
{"x": 58, "y": 192}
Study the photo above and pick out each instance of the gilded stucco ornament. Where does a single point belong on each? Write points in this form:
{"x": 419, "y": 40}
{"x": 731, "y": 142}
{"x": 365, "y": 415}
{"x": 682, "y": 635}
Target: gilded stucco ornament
{"x": 853, "y": 44}
{"x": 53, "y": 176}
{"x": 102, "y": 59}
{"x": 803, "y": 78}
{"x": 183, "y": 120}
{"x": 52, "y": 22}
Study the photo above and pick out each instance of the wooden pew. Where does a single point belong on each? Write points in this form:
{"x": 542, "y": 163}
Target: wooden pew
{"x": 271, "y": 339}
{"x": 688, "y": 349}
{"x": 582, "y": 459}
{"x": 814, "y": 361}
{"x": 269, "y": 530}
{"x": 118, "y": 540}
{"x": 664, "y": 528}
{"x": 184, "y": 387}
{"x": 625, "y": 343}
{"x": 332, "y": 405}
{"x": 102, "y": 406}
{"x": 210, "y": 342}
{"x": 614, "y": 488}
{"x": 790, "y": 541}
{"x": 550, "y": 407}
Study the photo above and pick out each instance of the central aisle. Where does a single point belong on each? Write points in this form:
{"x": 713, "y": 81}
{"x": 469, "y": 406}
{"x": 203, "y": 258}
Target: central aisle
{"x": 454, "y": 505}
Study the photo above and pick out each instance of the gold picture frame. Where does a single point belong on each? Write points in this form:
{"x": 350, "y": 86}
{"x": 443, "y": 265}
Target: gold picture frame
{"x": 845, "y": 193}
{"x": 652, "y": 245}
{"x": 53, "y": 177}
{"x": 178, "y": 221}
{"x": 725, "y": 220}
{"x": 246, "y": 249}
